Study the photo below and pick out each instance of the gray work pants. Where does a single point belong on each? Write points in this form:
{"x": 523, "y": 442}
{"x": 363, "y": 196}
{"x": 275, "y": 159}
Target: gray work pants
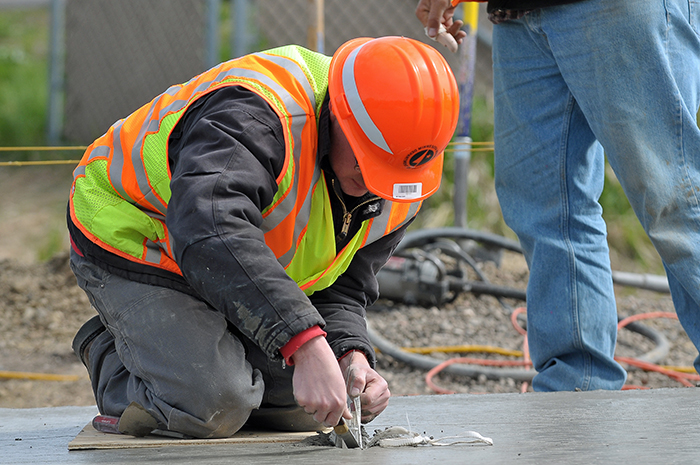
{"x": 175, "y": 355}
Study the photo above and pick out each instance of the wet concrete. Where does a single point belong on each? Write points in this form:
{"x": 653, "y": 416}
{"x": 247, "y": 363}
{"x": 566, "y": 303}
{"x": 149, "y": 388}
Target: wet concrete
{"x": 642, "y": 427}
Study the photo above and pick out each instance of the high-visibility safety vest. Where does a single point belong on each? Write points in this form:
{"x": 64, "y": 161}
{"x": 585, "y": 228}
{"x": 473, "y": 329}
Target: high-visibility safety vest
{"x": 121, "y": 187}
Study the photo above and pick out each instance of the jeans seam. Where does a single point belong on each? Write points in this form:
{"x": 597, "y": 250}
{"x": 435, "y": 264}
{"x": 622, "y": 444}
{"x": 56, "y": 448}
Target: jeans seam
{"x": 679, "y": 104}
{"x": 574, "y": 311}
{"x": 587, "y": 371}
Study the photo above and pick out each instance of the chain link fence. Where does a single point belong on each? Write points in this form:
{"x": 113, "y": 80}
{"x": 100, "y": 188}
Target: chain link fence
{"x": 282, "y": 22}
{"x": 119, "y": 55}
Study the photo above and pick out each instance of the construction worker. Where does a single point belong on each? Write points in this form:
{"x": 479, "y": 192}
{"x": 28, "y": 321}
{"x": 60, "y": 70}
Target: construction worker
{"x": 228, "y": 234}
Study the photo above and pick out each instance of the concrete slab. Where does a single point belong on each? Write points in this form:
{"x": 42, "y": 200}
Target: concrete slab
{"x": 642, "y": 427}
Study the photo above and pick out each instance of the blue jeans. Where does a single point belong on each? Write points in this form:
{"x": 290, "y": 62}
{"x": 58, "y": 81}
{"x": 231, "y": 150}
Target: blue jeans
{"x": 573, "y": 84}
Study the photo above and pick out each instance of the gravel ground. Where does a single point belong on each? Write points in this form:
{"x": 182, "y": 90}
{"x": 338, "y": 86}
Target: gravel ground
{"x": 42, "y": 308}
{"x": 483, "y": 320}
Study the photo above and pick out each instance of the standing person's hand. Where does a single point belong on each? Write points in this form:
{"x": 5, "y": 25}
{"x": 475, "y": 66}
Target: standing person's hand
{"x": 362, "y": 380}
{"x": 319, "y": 387}
{"x": 434, "y": 13}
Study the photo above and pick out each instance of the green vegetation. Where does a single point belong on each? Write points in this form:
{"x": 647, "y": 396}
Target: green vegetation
{"x": 24, "y": 53}
{"x": 24, "y": 42}
{"x": 53, "y": 242}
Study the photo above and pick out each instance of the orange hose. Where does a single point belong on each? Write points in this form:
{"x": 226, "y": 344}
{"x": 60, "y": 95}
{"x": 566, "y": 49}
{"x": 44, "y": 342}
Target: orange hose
{"x": 526, "y": 351}
{"x": 676, "y": 375}
{"x": 514, "y": 320}
{"x": 683, "y": 378}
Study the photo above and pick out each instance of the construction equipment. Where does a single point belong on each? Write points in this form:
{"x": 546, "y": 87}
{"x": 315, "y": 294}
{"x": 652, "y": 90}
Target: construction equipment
{"x": 418, "y": 273}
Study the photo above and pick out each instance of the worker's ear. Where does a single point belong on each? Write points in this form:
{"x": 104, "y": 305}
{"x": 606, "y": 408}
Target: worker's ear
{"x": 334, "y": 120}
{"x": 330, "y": 108}
{"x": 339, "y": 107}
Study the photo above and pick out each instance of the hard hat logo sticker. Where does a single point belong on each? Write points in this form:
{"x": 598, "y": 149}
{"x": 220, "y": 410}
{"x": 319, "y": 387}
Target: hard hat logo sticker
{"x": 420, "y": 156}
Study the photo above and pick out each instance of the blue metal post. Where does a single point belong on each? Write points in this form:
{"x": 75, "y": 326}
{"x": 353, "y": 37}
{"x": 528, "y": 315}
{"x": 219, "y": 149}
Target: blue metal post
{"x": 212, "y": 32}
{"x": 241, "y": 37}
{"x": 57, "y": 48}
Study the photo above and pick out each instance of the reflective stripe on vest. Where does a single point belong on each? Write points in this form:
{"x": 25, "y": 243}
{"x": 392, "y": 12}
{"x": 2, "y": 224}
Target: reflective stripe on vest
{"x": 145, "y": 141}
{"x": 121, "y": 187}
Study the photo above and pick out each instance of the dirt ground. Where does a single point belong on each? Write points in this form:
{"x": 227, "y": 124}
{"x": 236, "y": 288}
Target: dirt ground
{"x": 41, "y": 308}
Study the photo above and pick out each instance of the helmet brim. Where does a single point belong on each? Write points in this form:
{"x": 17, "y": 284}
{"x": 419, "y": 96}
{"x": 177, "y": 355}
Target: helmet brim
{"x": 397, "y": 184}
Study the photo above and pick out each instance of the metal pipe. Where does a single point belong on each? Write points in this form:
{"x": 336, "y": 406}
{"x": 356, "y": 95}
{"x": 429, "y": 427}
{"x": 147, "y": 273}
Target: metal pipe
{"x": 316, "y": 30}
{"x": 650, "y": 282}
{"x": 241, "y": 37}
{"x": 466, "y": 96}
{"x": 212, "y": 32}
{"x": 57, "y": 47}
{"x": 462, "y": 154}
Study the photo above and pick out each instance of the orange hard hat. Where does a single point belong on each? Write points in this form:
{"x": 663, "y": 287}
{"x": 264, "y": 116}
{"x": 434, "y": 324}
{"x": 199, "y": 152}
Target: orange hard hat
{"x": 397, "y": 102}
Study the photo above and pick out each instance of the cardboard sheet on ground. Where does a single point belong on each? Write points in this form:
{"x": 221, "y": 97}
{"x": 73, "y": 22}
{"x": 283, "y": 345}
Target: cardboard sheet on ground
{"x": 90, "y": 438}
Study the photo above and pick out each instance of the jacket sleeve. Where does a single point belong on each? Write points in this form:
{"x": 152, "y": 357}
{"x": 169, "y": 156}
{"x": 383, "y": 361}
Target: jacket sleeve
{"x": 343, "y": 304}
{"x": 225, "y": 155}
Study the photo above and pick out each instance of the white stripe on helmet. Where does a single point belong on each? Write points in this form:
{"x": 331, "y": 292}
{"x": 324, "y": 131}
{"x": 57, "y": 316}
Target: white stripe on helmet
{"x": 357, "y": 106}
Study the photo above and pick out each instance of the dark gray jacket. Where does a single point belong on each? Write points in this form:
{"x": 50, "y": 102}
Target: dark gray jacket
{"x": 225, "y": 155}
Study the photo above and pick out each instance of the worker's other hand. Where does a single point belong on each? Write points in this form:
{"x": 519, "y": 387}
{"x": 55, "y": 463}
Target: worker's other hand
{"x": 319, "y": 387}
{"x": 434, "y": 13}
{"x": 362, "y": 380}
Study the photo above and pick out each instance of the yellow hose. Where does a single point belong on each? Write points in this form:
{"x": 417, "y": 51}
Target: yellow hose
{"x": 502, "y": 351}
{"x": 463, "y": 349}
{"x": 37, "y": 376}
{"x": 679, "y": 369}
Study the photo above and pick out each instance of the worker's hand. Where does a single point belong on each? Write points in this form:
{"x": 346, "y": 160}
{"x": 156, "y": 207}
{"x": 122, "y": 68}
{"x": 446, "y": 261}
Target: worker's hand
{"x": 362, "y": 380}
{"x": 319, "y": 387}
{"x": 433, "y": 13}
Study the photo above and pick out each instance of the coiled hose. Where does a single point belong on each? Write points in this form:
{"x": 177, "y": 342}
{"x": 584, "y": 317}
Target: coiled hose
{"x": 435, "y": 238}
